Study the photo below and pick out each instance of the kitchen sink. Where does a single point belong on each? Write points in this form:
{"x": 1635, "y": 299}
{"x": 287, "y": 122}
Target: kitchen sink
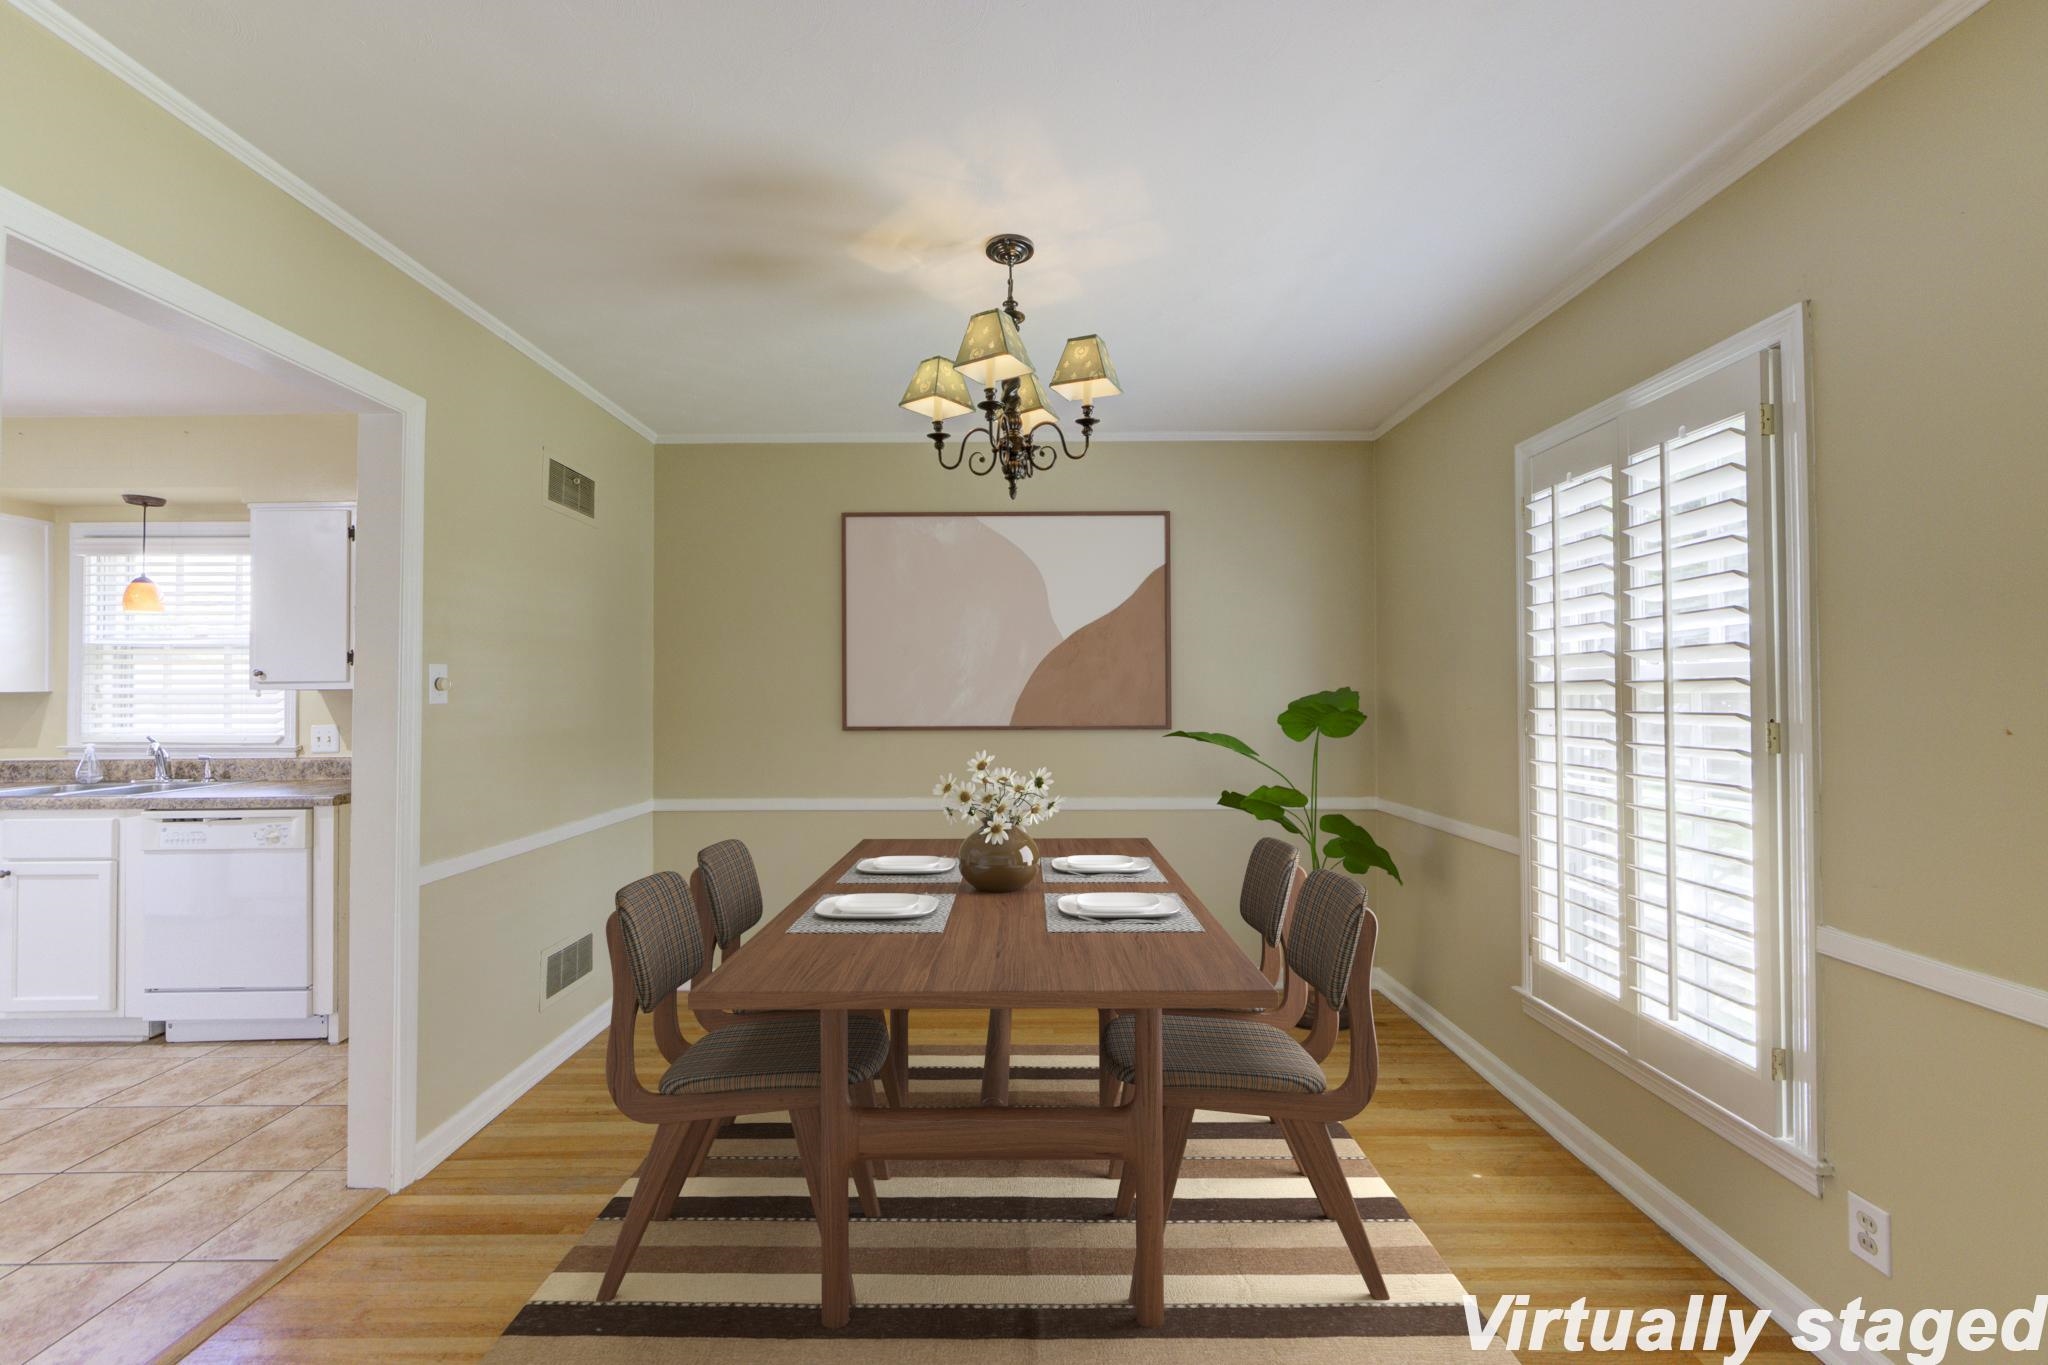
{"x": 109, "y": 788}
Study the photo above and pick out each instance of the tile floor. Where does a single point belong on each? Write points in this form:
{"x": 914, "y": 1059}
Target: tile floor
{"x": 142, "y": 1185}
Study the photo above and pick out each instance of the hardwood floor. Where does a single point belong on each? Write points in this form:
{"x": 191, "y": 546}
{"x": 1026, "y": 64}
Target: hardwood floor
{"x": 435, "y": 1272}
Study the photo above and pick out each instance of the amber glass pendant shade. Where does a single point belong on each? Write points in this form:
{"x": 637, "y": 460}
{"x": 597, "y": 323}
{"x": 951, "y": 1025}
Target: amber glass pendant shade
{"x": 142, "y": 595}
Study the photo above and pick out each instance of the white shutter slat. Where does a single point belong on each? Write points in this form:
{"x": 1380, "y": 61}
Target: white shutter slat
{"x": 182, "y": 675}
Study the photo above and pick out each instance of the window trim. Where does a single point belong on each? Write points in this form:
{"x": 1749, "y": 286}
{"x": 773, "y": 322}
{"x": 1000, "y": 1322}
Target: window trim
{"x": 1798, "y": 1158}
{"x": 92, "y": 537}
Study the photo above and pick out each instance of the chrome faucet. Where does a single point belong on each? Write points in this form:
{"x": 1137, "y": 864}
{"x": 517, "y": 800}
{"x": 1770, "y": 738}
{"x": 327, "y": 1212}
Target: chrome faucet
{"x": 159, "y": 757}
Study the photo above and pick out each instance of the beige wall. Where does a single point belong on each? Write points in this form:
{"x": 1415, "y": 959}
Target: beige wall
{"x": 542, "y": 622}
{"x": 1912, "y": 220}
{"x": 65, "y": 470}
{"x": 1271, "y": 599}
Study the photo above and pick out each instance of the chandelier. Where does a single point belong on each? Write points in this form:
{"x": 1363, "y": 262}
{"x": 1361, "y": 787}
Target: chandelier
{"x": 1016, "y": 415}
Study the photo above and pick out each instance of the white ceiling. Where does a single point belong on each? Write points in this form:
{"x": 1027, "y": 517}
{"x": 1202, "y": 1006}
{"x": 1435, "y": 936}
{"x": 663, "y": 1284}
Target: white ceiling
{"x": 66, "y": 356}
{"x": 752, "y": 219}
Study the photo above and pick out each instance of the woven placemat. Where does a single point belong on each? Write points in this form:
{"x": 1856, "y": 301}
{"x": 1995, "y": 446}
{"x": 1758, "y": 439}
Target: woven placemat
{"x": 934, "y": 923}
{"x": 1149, "y": 873}
{"x": 853, "y": 876}
{"x": 1181, "y": 923}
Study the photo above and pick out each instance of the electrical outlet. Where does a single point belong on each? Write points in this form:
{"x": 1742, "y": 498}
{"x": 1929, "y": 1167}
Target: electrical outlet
{"x": 1870, "y": 1234}
{"x": 326, "y": 739}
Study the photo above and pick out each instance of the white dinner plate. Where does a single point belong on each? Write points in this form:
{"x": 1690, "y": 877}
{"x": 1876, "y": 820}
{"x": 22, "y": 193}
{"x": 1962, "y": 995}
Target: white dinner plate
{"x": 876, "y": 905}
{"x": 906, "y": 865}
{"x": 1086, "y": 863}
{"x": 1118, "y": 905}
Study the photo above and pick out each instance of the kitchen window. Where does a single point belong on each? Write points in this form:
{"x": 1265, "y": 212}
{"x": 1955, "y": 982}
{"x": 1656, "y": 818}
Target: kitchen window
{"x": 1667, "y": 739}
{"x": 181, "y": 676}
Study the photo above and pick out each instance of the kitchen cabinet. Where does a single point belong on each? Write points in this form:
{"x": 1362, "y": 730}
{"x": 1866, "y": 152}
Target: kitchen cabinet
{"x": 302, "y": 595}
{"x": 24, "y": 604}
{"x": 58, "y": 937}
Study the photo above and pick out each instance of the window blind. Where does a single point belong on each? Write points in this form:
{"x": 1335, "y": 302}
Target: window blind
{"x": 1652, "y": 919}
{"x": 181, "y": 676}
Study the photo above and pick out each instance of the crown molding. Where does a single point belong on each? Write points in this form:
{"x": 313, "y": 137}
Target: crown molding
{"x": 1665, "y": 209}
{"x": 88, "y": 40}
{"x": 911, "y": 438}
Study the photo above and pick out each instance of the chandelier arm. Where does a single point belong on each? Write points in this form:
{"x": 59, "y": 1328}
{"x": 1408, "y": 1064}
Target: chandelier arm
{"x": 980, "y": 461}
{"x": 1065, "y": 449}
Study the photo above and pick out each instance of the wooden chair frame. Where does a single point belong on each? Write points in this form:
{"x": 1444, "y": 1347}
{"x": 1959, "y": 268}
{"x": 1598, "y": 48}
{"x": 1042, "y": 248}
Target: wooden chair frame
{"x": 1303, "y": 1119}
{"x": 686, "y": 1125}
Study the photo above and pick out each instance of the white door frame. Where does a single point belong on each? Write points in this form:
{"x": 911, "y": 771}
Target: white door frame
{"x": 385, "y": 819}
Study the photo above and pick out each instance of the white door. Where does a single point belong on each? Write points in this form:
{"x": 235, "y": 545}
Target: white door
{"x": 57, "y": 938}
{"x": 24, "y": 605}
{"x": 299, "y": 602}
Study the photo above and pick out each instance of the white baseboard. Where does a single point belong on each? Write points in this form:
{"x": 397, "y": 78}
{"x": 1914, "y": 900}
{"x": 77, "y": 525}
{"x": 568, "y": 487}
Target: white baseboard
{"x": 437, "y": 1146}
{"x": 1697, "y": 1233}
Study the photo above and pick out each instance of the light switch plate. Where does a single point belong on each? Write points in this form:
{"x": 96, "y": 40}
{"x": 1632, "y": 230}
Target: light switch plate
{"x": 437, "y": 684}
{"x": 326, "y": 739}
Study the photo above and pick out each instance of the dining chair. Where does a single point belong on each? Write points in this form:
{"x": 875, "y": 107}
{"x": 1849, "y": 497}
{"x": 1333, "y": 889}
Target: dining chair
{"x": 1272, "y": 881}
{"x": 726, "y": 888}
{"x": 1240, "y": 1066}
{"x": 749, "y": 1066}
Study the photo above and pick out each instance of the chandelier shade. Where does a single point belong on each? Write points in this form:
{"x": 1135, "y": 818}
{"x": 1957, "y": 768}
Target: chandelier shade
{"x": 1033, "y": 408}
{"x": 1085, "y": 373}
{"x": 992, "y": 350}
{"x": 937, "y": 391}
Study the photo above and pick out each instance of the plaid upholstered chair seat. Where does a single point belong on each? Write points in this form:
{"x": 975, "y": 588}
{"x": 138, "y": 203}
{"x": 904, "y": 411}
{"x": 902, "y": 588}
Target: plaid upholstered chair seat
{"x": 1218, "y": 1054}
{"x": 780, "y": 1054}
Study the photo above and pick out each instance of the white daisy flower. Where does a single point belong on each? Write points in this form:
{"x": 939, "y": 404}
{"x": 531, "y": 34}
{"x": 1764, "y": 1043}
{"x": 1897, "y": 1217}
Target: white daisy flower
{"x": 944, "y": 786}
{"x": 998, "y": 830}
{"x": 981, "y": 764}
{"x": 1041, "y": 778}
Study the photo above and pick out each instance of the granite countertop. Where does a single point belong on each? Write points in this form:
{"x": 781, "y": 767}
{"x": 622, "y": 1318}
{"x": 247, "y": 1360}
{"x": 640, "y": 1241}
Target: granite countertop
{"x": 240, "y": 784}
{"x": 234, "y": 794}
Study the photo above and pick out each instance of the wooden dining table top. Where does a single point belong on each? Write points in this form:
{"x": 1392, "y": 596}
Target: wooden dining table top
{"x": 995, "y": 952}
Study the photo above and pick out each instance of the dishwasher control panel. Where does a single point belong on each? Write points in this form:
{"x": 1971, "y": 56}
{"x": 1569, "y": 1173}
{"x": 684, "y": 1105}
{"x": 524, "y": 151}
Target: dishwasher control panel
{"x": 225, "y": 830}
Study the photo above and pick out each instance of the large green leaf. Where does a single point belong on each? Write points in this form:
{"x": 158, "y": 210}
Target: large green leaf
{"x": 1261, "y": 809}
{"x": 1333, "y": 713}
{"x": 1230, "y": 742}
{"x": 1359, "y": 851}
{"x": 1279, "y": 796}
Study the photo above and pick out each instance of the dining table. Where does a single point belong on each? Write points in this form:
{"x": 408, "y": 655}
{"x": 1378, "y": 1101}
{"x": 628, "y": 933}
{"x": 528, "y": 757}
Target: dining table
{"x": 998, "y": 952}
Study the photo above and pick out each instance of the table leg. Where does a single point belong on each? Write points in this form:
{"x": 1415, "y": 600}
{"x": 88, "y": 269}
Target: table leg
{"x": 1148, "y": 1280}
{"x": 835, "y": 1159}
{"x": 995, "y": 1060}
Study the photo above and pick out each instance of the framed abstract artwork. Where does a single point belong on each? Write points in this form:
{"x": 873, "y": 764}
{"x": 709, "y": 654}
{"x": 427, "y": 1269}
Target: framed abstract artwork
{"x": 1011, "y": 620}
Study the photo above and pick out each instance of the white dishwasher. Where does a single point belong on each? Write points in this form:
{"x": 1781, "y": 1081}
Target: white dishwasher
{"x": 222, "y": 924}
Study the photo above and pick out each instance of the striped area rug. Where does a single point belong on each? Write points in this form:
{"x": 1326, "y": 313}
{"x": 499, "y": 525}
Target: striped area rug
{"x": 997, "y": 1262}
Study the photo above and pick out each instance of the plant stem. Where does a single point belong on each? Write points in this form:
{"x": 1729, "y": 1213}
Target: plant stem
{"x": 1315, "y": 781}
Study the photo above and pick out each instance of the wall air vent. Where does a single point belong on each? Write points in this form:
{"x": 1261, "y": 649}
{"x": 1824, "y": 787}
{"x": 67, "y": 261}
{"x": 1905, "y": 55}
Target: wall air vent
{"x": 566, "y": 966}
{"x": 570, "y": 490}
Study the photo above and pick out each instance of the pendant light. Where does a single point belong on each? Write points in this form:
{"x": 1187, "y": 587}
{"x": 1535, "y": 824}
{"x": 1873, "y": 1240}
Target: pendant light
{"x": 142, "y": 595}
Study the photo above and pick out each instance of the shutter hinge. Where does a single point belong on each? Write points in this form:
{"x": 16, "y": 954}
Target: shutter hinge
{"x": 351, "y": 530}
{"x": 1781, "y": 1064}
{"x": 1768, "y": 424}
{"x": 351, "y": 658}
{"x": 1774, "y": 737}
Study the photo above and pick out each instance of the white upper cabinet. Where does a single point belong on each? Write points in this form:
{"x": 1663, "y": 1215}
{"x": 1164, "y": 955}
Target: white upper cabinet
{"x": 24, "y": 605}
{"x": 302, "y": 601}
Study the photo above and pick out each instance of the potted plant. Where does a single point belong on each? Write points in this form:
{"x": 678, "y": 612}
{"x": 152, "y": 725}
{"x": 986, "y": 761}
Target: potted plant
{"x": 1334, "y": 715}
{"x": 1000, "y": 805}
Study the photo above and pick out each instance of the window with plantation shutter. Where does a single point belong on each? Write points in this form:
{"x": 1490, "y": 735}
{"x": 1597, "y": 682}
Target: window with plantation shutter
{"x": 1662, "y": 627}
{"x": 180, "y": 676}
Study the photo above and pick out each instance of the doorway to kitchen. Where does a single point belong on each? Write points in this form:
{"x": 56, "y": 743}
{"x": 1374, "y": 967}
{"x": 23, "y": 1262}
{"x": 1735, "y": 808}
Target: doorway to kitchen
{"x": 371, "y": 434}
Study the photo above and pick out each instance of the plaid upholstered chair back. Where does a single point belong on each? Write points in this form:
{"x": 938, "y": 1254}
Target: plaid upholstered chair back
{"x": 1268, "y": 880}
{"x": 1322, "y": 940}
{"x": 663, "y": 946}
{"x": 733, "y": 888}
